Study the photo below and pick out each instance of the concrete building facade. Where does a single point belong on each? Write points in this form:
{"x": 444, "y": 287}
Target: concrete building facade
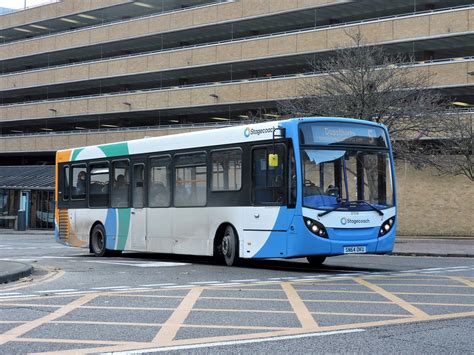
{"x": 82, "y": 72}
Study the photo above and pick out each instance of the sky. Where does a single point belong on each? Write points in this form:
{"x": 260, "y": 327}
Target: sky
{"x": 19, "y": 4}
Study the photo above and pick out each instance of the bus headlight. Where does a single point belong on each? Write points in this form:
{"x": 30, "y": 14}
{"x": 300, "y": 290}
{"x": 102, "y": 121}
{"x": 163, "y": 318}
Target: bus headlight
{"x": 386, "y": 226}
{"x": 315, "y": 227}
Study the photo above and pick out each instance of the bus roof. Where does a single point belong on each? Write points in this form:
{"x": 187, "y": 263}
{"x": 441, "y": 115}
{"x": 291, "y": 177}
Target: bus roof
{"x": 212, "y": 137}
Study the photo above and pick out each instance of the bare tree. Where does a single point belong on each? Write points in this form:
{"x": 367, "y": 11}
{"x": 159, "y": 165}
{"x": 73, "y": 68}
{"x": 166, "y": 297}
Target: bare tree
{"x": 365, "y": 82}
{"x": 452, "y": 153}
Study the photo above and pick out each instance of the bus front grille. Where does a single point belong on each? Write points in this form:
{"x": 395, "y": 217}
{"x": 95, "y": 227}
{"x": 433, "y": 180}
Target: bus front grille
{"x": 63, "y": 223}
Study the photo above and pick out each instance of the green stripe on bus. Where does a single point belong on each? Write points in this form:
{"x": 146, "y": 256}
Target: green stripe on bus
{"x": 113, "y": 150}
{"x": 75, "y": 153}
{"x": 123, "y": 227}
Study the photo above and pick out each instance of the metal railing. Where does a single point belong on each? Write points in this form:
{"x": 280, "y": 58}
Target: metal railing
{"x": 167, "y": 12}
{"x": 241, "y": 39}
{"x": 230, "y": 123}
{"x": 225, "y": 82}
{"x": 131, "y": 129}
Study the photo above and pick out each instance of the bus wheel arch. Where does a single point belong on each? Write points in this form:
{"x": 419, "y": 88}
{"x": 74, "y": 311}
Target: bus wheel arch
{"x": 226, "y": 244}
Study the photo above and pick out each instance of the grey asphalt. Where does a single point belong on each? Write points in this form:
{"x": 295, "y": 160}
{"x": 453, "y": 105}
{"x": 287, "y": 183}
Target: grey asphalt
{"x": 405, "y": 246}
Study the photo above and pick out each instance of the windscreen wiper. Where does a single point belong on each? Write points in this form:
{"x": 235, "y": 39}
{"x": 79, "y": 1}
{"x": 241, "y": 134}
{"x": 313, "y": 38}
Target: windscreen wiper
{"x": 349, "y": 203}
{"x": 321, "y": 214}
{"x": 368, "y": 204}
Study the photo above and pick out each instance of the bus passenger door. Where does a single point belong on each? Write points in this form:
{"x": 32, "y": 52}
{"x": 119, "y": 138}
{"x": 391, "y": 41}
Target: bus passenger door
{"x": 138, "y": 222}
{"x": 267, "y": 220}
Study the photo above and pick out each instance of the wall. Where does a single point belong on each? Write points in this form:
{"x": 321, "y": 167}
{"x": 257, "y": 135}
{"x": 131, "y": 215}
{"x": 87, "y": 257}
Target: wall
{"x": 433, "y": 205}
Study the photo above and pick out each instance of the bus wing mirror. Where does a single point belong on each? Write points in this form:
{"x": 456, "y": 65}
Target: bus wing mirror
{"x": 273, "y": 160}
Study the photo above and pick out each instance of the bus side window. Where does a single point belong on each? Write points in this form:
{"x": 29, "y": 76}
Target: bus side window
{"x": 120, "y": 184}
{"x": 99, "y": 184}
{"x": 138, "y": 186}
{"x": 191, "y": 180}
{"x": 159, "y": 191}
{"x": 65, "y": 185}
{"x": 292, "y": 186}
{"x": 226, "y": 170}
{"x": 79, "y": 182}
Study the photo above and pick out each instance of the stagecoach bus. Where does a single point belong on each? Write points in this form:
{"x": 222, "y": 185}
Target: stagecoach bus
{"x": 304, "y": 187}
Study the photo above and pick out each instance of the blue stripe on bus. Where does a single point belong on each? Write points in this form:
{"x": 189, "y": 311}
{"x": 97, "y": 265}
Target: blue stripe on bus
{"x": 111, "y": 228}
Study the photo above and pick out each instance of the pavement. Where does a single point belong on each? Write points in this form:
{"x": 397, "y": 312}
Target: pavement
{"x": 434, "y": 246}
{"x": 405, "y": 246}
{"x": 12, "y": 271}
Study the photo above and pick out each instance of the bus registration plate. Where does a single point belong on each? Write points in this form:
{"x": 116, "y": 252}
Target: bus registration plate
{"x": 358, "y": 249}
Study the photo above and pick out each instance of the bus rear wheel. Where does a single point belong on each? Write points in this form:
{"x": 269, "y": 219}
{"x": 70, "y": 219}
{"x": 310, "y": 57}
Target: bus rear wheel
{"x": 230, "y": 246}
{"x": 98, "y": 241}
{"x": 316, "y": 260}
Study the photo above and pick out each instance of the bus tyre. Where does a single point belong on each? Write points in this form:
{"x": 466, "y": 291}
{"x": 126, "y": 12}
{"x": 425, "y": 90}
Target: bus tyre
{"x": 230, "y": 246}
{"x": 98, "y": 241}
{"x": 316, "y": 260}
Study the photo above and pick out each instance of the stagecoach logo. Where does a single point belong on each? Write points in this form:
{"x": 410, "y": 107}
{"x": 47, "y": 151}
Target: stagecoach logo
{"x": 258, "y": 131}
{"x": 345, "y": 221}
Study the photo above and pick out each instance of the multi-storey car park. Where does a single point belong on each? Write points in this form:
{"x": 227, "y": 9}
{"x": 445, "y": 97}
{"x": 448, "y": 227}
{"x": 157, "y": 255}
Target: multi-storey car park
{"x": 76, "y": 73}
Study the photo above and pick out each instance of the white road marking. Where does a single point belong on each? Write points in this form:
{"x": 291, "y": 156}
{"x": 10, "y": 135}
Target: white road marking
{"x": 437, "y": 272}
{"x": 247, "y": 280}
{"x": 206, "y": 282}
{"x": 109, "y": 287}
{"x": 144, "y": 265}
{"x": 133, "y": 289}
{"x": 434, "y": 268}
{"x": 228, "y": 284}
{"x": 55, "y": 291}
{"x": 10, "y": 293}
{"x": 155, "y": 285}
{"x": 22, "y": 296}
{"x": 236, "y": 342}
{"x": 178, "y": 286}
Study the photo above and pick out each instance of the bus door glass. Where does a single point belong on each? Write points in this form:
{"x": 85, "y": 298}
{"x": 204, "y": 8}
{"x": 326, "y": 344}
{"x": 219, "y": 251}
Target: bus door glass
{"x": 138, "y": 211}
{"x": 268, "y": 216}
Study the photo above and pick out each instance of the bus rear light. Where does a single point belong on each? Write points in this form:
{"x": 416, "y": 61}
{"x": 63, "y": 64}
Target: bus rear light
{"x": 386, "y": 226}
{"x": 315, "y": 227}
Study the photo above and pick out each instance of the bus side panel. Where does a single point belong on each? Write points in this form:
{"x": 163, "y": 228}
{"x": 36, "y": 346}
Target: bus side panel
{"x": 83, "y": 219}
{"x": 266, "y": 231}
{"x": 178, "y": 230}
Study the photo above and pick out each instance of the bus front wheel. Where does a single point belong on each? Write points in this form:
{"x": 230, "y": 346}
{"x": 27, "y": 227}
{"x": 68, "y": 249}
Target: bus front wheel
{"x": 316, "y": 260}
{"x": 230, "y": 246}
